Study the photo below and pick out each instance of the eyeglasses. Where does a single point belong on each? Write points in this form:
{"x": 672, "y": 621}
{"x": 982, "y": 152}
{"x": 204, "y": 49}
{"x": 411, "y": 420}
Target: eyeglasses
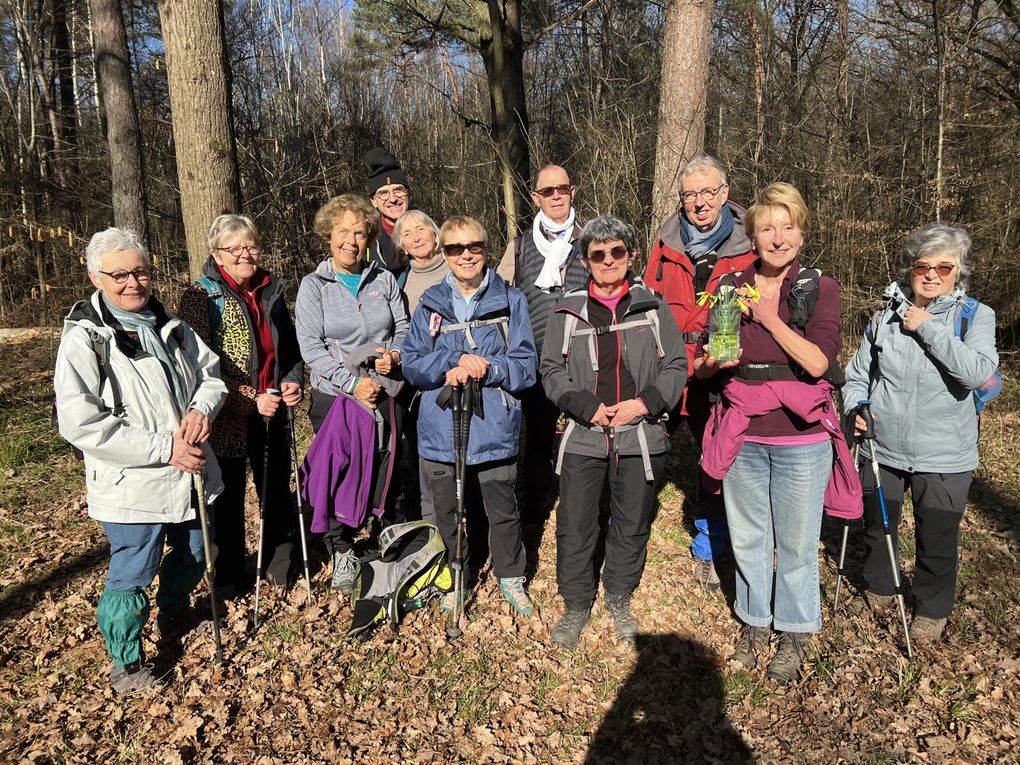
{"x": 942, "y": 269}
{"x": 239, "y": 249}
{"x": 597, "y": 256}
{"x": 456, "y": 250}
{"x": 342, "y": 234}
{"x": 142, "y": 275}
{"x": 398, "y": 193}
{"x": 707, "y": 194}
{"x": 547, "y": 191}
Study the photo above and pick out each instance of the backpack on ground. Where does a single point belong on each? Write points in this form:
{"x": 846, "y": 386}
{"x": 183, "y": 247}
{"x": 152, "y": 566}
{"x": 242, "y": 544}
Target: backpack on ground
{"x": 408, "y": 570}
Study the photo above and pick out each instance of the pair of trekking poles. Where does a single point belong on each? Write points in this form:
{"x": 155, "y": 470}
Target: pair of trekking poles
{"x": 868, "y": 437}
{"x": 463, "y": 401}
{"x": 210, "y": 569}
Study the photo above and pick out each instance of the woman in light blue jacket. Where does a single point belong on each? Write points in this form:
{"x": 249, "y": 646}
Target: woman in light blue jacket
{"x": 920, "y": 376}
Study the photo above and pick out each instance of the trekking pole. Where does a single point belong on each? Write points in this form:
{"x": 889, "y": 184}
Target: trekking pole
{"x": 869, "y": 435}
{"x": 210, "y": 570}
{"x": 842, "y": 545}
{"x": 300, "y": 502}
{"x": 457, "y": 564}
{"x": 262, "y": 507}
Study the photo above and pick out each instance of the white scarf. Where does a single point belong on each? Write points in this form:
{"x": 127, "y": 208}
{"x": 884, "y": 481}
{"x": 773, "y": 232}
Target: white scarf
{"x": 555, "y": 252}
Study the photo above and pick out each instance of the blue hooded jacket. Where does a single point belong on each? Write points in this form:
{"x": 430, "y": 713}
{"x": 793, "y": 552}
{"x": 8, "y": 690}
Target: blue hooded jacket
{"x": 428, "y": 354}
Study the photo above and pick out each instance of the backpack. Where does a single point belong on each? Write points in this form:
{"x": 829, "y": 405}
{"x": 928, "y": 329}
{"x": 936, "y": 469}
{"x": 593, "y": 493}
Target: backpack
{"x": 101, "y": 349}
{"x": 965, "y": 311}
{"x": 408, "y": 570}
{"x": 802, "y": 300}
{"x": 217, "y": 302}
{"x": 571, "y": 331}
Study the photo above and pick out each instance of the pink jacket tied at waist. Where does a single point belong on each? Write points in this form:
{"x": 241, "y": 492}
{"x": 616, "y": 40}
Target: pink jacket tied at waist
{"x": 812, "y": 402}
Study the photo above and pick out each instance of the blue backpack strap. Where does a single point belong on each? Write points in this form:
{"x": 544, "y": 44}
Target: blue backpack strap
{"x": 964, "y": 316}
{"x": 217, "y": 302}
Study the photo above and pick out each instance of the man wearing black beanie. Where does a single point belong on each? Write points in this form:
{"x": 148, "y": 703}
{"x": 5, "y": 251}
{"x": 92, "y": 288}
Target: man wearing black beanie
{"x": 388, "y": 189}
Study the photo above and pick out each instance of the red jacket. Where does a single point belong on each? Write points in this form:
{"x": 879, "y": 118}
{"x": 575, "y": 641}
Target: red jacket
{"x": 670, "y": 273}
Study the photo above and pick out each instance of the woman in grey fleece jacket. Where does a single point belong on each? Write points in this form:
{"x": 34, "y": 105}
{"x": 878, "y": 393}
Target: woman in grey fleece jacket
{"x": 345, "y": 303}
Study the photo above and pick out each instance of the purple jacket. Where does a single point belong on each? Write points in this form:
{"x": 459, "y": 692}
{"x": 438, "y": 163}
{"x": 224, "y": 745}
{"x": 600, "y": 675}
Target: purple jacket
{"x": 336, "y": 476}
{"x": 812, "y": 402}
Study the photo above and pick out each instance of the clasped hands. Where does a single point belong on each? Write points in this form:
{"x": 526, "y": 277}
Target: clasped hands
{"x": 469, "y": 367}
{"x": 619, "y": 414}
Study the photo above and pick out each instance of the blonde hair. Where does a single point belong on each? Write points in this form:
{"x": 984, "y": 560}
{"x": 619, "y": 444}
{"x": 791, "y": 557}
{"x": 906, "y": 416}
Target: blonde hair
{"x": 358, "y": 204}
{"x": 783, "y": 195}
{"x": 458, "y": 222}
{"x": 229, "y": 224}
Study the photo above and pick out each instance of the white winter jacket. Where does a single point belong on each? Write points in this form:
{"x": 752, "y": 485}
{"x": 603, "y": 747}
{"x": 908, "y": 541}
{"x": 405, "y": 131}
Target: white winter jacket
{"x": 127, "y": 475}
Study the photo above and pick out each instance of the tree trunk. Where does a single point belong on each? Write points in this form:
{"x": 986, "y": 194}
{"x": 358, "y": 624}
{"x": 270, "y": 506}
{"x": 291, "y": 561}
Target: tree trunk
{"x": 504, "y": 69}
{"x": 64, "y": 68}
{"x": 117, "y": 103}
{"x": 682, "y": 98}
{"x": 199, "y": 81}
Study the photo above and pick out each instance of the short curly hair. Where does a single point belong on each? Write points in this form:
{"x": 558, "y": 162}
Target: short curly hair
{"x": 359, "y": 204}
{"x": 783, "y": 195}
{"x": 934, "y": 239}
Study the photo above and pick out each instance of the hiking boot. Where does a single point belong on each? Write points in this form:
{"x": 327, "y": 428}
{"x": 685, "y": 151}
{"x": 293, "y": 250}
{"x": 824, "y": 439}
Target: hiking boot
{"x": 133, "y": 678}
{"x": 705, "y": 574}
{"x": 790, "y": 655}
{"x": 925, "y": 629}
{"x": 567, "y": 631}
{"x": 279, "y": 569}
{"x": 751, "y": 644}
{"x": 345, "y": 571}
{"x": 618, "y": 606}
{"x": 512, "y": 589}
{"x": 878, "y": 602}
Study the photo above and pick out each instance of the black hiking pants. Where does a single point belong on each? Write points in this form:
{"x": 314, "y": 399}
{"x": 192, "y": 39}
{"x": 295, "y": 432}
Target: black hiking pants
{"x": 631, "y": 503}
{"x": 540, "y": 416}
{"x": 496, "y": 485}
{"x": 939, "y": 500}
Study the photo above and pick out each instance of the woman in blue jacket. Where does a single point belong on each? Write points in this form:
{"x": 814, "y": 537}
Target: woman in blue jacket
{"x": 920, "y": 377}
{"x": 472, "y": 325}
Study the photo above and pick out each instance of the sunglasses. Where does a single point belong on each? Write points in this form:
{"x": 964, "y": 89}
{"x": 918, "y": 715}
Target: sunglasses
{"x": 548, "y": 191}
{"x": 942, "y": 269}
{"x": 597, "y": 256}
{"x": 456, "y": 250}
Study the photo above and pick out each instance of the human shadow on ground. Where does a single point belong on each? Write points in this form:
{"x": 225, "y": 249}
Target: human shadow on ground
{"x": 22, "y": 598}
{"x": 670, "y": 710}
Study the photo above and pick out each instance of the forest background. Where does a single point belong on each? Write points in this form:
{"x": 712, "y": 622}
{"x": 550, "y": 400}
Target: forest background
{"x": 885, "y": 113}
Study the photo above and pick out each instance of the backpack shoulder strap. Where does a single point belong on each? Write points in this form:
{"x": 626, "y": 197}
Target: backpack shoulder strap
{"x": 217, "y": 302}
{"x": 518, "y": 251}
{"x": 501, "y": 322}
{"x": 804, "y": 297}
{"x": 964, "y": 315}
{"x": 653, "y": 318}
{"x": 101, "y": 348}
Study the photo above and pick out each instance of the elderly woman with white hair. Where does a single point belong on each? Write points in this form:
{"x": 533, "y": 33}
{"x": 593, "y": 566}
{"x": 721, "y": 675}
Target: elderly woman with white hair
{"x": 136, "y": 392}
{"x": 238, "y": 309}
{"x": 919, "y": 367}
{"x": 416, "y": 241}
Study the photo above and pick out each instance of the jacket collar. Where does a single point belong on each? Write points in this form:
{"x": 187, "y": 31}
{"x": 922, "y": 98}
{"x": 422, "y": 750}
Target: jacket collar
{"x": 495, "y": 297}
{"x": 641, "y": 299}
{"x": 325, "y": 271}
{"x": 736, "y": 244}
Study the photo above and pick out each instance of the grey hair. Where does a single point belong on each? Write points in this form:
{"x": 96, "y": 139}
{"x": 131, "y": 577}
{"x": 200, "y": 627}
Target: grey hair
{"x": 607, "y": 228}
{"x": 112, "y": 240}
{"x": 938, "y": 239}
{"x": 703, "y": 162}
{"x": 229, "y": 225}
{"x": 405, "y": 220}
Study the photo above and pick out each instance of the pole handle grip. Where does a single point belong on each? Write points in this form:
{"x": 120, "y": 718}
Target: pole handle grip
{"x": 864, "y": 411}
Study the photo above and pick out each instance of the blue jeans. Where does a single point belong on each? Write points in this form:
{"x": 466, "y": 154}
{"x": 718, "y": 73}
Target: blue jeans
{"x": 136, "y": 551}
{"x": 774, "y": 508}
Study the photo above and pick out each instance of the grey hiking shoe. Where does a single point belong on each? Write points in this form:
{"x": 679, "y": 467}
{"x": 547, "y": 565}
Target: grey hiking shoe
{"x": 790, "y": 655}
{"x": 134, "y": 678}
{"x": 705, "y": 574}
{"x": 751, "y": 644}
{"x": 925, "y": 629}
{"x": 512, "y": 589}
{"x": 345, "y": 571}
{"x": 878, "y": 602}
{"x": 623, "y": 620}
{"x": 567, "y": 631}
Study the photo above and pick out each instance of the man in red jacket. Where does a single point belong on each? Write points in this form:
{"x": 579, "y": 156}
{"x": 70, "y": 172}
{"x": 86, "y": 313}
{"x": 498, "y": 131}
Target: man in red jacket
{"x": 701, "y": 243}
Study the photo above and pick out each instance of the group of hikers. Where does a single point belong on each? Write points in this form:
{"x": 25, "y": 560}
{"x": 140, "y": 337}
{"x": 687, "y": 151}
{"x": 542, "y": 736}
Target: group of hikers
{"x": 563, "y": 332}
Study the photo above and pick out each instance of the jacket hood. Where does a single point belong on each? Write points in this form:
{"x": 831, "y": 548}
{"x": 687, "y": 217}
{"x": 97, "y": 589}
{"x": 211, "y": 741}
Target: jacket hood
{"x": 641, "y": 298}
{"x": 737, "y": 244}
{"x": 92, "y": 311}
{"x": 495, "y": 297}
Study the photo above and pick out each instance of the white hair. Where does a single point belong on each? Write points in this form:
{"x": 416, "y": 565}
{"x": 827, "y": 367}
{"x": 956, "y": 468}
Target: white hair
{"x": 112, "y": 240}
{"x": 703, "y": 162}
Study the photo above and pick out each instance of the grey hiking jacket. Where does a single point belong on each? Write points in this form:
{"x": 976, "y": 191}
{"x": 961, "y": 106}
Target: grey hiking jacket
{"x": 331, "y": 322}
{"x": 569, "y": 381}
{"x": 127, "y": 475}
{"x": 921, "y": 388}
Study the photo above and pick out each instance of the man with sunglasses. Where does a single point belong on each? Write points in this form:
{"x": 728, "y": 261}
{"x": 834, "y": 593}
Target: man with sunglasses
{"x": 391, "y": 196}
{"x": 544, "y": 263}
{"x": 699, "y": 245}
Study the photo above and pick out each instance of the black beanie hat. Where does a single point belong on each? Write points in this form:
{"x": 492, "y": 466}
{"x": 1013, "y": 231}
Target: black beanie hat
{"x": 383, "y": 170}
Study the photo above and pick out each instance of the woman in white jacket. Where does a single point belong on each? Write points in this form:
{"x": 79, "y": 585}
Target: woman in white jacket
{"x": 136, "y": 390}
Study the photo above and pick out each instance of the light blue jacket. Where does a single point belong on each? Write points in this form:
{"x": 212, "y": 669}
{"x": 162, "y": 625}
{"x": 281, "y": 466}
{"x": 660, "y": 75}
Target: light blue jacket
{"x": 331, "y": 322}
{"x": 921, "y": 389}
{"x": 428, "y": 354}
